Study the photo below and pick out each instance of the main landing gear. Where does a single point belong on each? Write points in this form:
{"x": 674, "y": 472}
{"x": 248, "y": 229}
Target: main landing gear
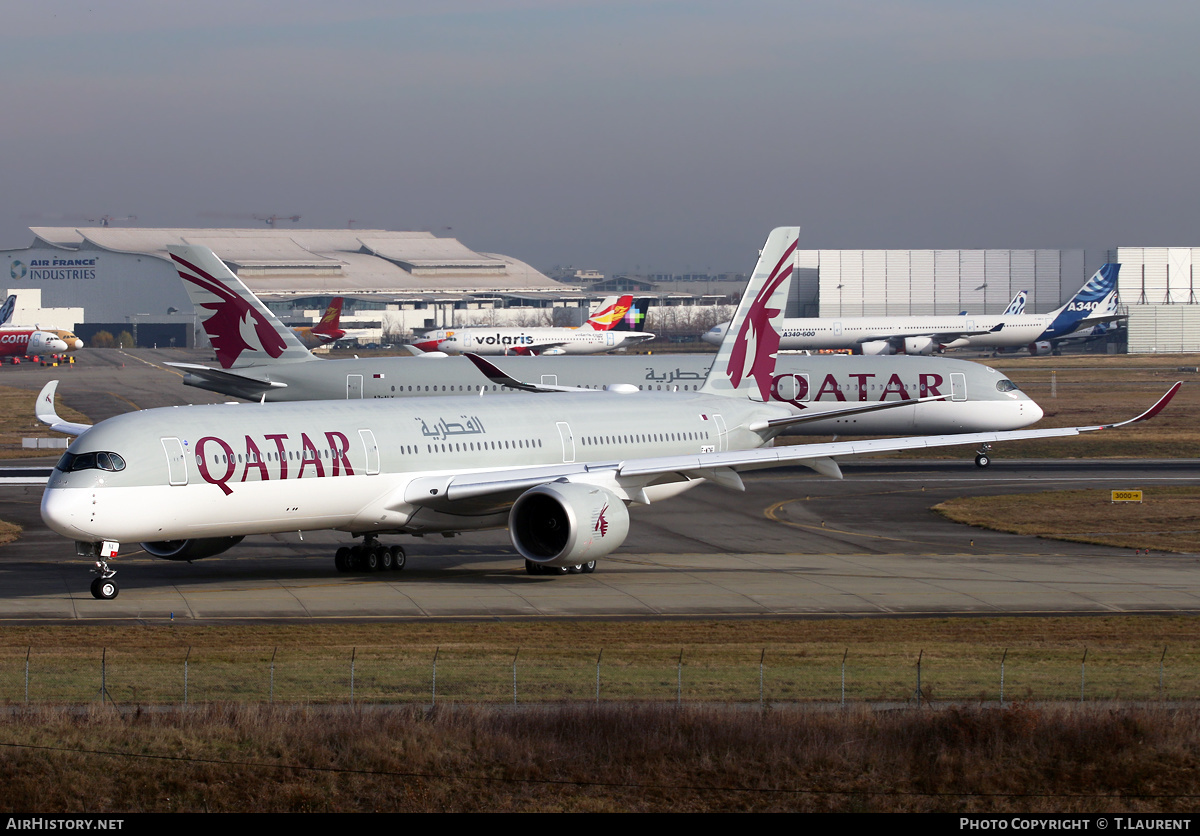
{"x": 371, "y": 556}
{"x": 983, "y": 457}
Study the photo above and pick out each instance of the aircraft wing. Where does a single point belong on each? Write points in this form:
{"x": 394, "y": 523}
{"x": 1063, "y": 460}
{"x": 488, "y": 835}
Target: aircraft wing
{"x": 45, "y": 412}
{"x": 226, "y": 382}
{"x": 629, "y": 479}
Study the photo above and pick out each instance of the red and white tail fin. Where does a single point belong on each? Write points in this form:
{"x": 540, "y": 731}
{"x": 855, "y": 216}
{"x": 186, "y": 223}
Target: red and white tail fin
{"x": 745, "y": 363}
{"x": 329, "y": 329}
{"x": 242, "y": 330}
{"x": 611, "y": 311}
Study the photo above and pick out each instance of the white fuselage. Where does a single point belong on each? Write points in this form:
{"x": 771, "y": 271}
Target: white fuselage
{"x": 236, "y": 469}
{"x": 497, "y": 341}
{"x": 982, "y": 398}
{"x": 832, "y": 333}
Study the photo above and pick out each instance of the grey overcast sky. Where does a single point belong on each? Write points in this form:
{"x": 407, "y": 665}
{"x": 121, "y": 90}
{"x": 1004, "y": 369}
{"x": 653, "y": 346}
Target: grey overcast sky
{"x": 645, "y": 135}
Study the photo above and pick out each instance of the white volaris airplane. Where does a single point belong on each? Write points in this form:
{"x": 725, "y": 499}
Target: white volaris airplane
{"x": 928, "y": 334}
{"x": 556, "y": 469}
{"x": 262, "y": 360}
{"x": 596, "y": 336}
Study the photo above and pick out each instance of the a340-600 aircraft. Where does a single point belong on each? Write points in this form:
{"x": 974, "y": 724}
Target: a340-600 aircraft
{"x": 262, "y": 359}
{"x": 556, "y": 469}
{"x": 928, "y": 334}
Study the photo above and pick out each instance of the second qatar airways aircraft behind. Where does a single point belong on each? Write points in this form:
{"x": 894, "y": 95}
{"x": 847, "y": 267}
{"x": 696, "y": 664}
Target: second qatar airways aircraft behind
{"x": 262, "y": 360}
{"x": 558, "y": 470}
{"x": 928, "y": 334}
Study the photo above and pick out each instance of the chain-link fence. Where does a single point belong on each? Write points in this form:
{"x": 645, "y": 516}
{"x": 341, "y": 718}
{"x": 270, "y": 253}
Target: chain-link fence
{"x": 331, "y": 674}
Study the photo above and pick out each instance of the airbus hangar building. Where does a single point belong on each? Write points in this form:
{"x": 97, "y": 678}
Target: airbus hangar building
{"x": 124, "y": 280}
{"x": 1157, "y": 286}
{"x": 121, "y": 279}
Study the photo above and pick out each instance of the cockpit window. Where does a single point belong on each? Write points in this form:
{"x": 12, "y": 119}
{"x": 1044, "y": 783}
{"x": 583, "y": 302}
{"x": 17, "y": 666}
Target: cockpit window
{"x": 1006, "y": 385}
{"x": 71, "y": 462}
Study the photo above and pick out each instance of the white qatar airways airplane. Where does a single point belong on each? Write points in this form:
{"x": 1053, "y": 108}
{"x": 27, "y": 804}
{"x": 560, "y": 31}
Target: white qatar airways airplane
{"x": 1094, "y": 303}
{"x": 261, "y": 359}
{"x": 558, "y": 470}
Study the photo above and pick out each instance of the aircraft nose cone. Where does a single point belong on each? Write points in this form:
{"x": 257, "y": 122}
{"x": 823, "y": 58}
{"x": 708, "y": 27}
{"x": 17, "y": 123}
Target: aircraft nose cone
{"x": 58, "y": 345}
{"x": 77, "y": 344}
{"x": 60, "y": 510}
{"x": 1034, "y": 411}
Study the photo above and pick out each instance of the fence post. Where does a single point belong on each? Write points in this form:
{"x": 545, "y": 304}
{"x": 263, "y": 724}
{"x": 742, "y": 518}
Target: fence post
{"x": 920, "y": 656}
{"x": 271, "y": 691}
{"x": 1160, "y": 672}
{"x": 435, "y": 655}
{"x": 1082, "y": 674}
{"x": 515, "y": 655}
{"x": 761, "y": 697}
{"x": 353, "y": 655}
{"x": 1002, "y": 658}
{"x": 103, "y": 674}
{"x": 679, "y": 681}
{"x": 186, "y": 657}
{"x": 844, "y": 655}
{"x": 598, "y": 658}
{"x": 27, "y": 651}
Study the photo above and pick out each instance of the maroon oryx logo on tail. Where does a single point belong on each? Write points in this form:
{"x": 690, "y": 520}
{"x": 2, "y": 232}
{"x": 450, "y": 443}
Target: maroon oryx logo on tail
{"x": 234, "y": 326}
{"x": 753, "y": 353}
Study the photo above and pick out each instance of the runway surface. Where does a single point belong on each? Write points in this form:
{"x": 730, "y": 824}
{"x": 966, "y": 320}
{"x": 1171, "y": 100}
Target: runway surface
{"x": 793, "y": 544}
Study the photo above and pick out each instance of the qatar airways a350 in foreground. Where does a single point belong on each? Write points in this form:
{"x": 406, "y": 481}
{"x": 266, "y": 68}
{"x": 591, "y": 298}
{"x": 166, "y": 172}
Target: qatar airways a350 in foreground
{"x": 557, "y": 469}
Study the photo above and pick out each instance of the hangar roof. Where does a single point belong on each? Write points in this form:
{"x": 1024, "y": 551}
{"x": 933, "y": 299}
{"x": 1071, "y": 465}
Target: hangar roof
{"x": 283, "y": 262}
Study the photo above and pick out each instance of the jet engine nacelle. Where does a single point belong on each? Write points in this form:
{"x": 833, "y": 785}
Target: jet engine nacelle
{"x": 1041, "y": 347}
{"x": 920, "y": 345}
{"x": 878, "y": 347}
{"x": 190, "y": 549}
{"x": 554, "y": 352}
{"x": 564, "y": 523}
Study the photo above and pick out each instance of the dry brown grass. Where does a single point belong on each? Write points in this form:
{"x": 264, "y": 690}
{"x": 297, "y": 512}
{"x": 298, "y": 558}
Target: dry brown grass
{"x": 1025, "y": 759}
{"x": 1168, "y": 519}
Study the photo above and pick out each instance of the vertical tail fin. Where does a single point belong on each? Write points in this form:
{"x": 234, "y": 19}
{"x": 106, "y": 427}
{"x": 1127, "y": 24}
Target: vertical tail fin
{"x": 1084, "y": 303}
{"x": 329, "y": 328}
{"x": 242, "y": 330}
{"x": 1017, "y": 306}
{"x": 611, "y": 311}
{"x": 745, "y": 362}
{"x": 6, "y": 311}
{"x": 635, "y": 317}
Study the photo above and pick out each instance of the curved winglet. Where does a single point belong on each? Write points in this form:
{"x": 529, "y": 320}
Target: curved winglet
{"x": 44, "y": 410}
{"x": 1152, "y": 411}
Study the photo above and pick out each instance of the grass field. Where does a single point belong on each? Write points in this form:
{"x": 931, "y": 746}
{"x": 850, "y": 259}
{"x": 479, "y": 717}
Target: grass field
{"x": 1168, "y": 519}
{"x": 733, "y": 661}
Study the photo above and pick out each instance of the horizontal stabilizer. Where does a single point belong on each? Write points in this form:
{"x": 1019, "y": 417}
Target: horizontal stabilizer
{"x": 226, "y": 382}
